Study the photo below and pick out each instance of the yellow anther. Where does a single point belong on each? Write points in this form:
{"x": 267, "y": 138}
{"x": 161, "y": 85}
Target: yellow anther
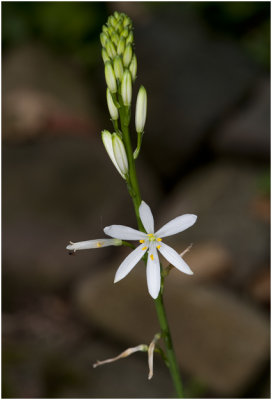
{"x": 144, "y": 248}
{"x": 141, "y": 241}
{"x": 158, "y": 247}
{"x": 159, "y": 239}
{"x": 99, "y": 244}
{"x": 150, "y": 234}
{"x": 152, "y": 257}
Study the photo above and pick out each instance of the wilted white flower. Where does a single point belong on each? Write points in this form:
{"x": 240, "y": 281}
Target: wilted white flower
{"x": 151, "y": 242}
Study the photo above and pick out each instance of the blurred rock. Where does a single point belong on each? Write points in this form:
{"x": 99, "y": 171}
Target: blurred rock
{"x": 259, "y": 286}
{"x": 246, "y": 132}
{"x": 221, "y": 195}
{"x": 219, "y": 340}
{"x": 209, "y": 261}
{"x": 55, "y": 191}
{"x": 192, "y": 79}
{"x": 44, "y": 94}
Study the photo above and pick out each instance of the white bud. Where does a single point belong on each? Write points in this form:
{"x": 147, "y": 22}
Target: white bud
{"x": 126, "y": 88}
{"x": 112, "y": 108}
{"x": 110, "y": 77}
{"x": 105, "y": 55}
{"x": 141, "y": 106}
{"x": 93, "y": 244}
{"x": 127, "y": 55}
{"x": 118, "y": 67}
{"x": 133, "y": 67}
{"x": 120, "y": 153}
{"x": 110, "y": 49}
{"x": 107, "y": 141}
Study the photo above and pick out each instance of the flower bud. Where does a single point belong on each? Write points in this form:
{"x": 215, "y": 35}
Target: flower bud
{"x": 116, "y": 15}
{"x": 115, "y": 38}
{"x": 127, "y": 21}
{"x": 105, "y": 55}
{"x": 127, "y": 55}
{"x": 121, "y": 46}
{"x": 105, "y": 29}
{"x": 130, "y": 38}
{"x": 133, "y": 67}
{"x": 93, "y": 244}
{"x": 112, "y": 108}
{"x": 112, "y": 21}
{"x": 141, "y": 106}
{"x": 125, "y": 33}
{"x": 120, "y": 153}
{"x": 126, "y": 88}
{"x": 118, "y": 67}
{"x": 119, "y": 27}
{"x": 103, "y": 39}
{"x": 110, "y": 77}
{"x": 110, "y": 49}
{"x": 107, "y": 141}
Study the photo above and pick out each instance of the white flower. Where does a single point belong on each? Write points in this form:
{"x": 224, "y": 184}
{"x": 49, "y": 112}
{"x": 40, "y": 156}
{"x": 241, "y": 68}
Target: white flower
{"x": 93, "y": 244}
{"x": 150, "y": 242}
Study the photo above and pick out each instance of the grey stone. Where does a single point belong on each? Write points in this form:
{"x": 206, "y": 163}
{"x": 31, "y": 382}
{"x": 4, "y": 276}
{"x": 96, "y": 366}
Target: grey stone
{"x": 222, "y": 195}
{"x": 219, "y": 340}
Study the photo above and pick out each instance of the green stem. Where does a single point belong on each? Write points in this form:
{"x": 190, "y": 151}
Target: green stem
{"x": 173, "y": 366}
{"x": 134, "y": 191}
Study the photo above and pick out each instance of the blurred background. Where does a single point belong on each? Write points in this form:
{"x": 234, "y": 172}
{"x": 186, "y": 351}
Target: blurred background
{"x": 205, "y": 151}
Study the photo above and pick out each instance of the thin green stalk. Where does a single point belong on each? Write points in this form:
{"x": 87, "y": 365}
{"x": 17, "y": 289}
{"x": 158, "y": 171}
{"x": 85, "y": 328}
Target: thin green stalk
{"x": 134, "y": 191}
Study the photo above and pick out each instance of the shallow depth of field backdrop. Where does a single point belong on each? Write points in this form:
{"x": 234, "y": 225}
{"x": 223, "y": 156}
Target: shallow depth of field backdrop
{"x": 205, "y": 151}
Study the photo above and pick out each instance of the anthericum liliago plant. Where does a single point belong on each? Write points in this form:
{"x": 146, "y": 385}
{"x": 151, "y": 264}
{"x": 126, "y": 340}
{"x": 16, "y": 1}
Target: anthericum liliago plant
{"x": 120, "y": 74}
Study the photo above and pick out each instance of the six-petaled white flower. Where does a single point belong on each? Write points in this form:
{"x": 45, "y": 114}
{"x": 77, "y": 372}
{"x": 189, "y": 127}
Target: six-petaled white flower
{"x": 151, "y": 242}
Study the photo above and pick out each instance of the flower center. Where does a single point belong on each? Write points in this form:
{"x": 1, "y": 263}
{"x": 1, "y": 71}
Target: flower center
{"x": 151, "y": 237}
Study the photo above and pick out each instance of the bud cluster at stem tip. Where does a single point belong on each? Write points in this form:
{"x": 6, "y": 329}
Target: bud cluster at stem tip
{"x": 118, "y": 55}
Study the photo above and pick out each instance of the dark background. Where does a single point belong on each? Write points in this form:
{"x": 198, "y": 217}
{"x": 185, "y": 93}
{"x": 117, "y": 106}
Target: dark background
{"x": 205, "y": 151}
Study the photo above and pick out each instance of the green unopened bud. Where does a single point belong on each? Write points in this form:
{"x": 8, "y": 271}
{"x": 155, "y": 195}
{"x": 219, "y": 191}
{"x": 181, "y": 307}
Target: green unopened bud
{"x": 119, "y": 27}
{"x": 130, "y": 38}
{"x": 103, "y": 39}
{"x": 125, "y": 33}
{"x": 110, "y": 77}
{"x": 118, "y": 67}
{"x": 105, "y": 30}
{"x": 112, "y": 21}
{"x": 121, "y": 46}
{"x": 116, "y": 15}
{"x": 133, "y": 67}
{"x": 110, "y": 49}
{"x": 120, "y": 154}
{"x": 113, "y": 110}
{"x": 126, "y": 88}
{"x": 115, "y": 39}
{"x": 108, "y": 143}
{"x": 105, "y": 55}
{"x": 127, "y": 21}
{"x": 127, "y": 55}
{"x": 141, "y": 106}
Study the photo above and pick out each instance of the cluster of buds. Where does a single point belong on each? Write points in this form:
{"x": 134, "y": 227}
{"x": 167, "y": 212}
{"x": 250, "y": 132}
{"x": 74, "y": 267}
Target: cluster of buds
{"x": 120, "y": 73}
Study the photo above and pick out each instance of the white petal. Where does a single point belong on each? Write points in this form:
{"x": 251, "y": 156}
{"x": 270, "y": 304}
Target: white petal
{"x": 174, "y": 258}
{"x": 129, "y": 262}
{"x": 107, "y": 141}
{"x": 146, "y": 217}
{"x": 153, "y": 272}
{"x": 177, "y": 225}
{"x": 124, "y": 232}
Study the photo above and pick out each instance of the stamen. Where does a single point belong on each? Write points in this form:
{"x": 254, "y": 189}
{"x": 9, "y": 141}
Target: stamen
{"x": 99, "y": 244}
{"x": 152, "y": 257}
{"x": 158, "y": 247}
{"x": 150, "y": 234}
{"x": 144, "y": 248}
{"x": 141, "y": 241}
{"x": 159, "y": 239}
